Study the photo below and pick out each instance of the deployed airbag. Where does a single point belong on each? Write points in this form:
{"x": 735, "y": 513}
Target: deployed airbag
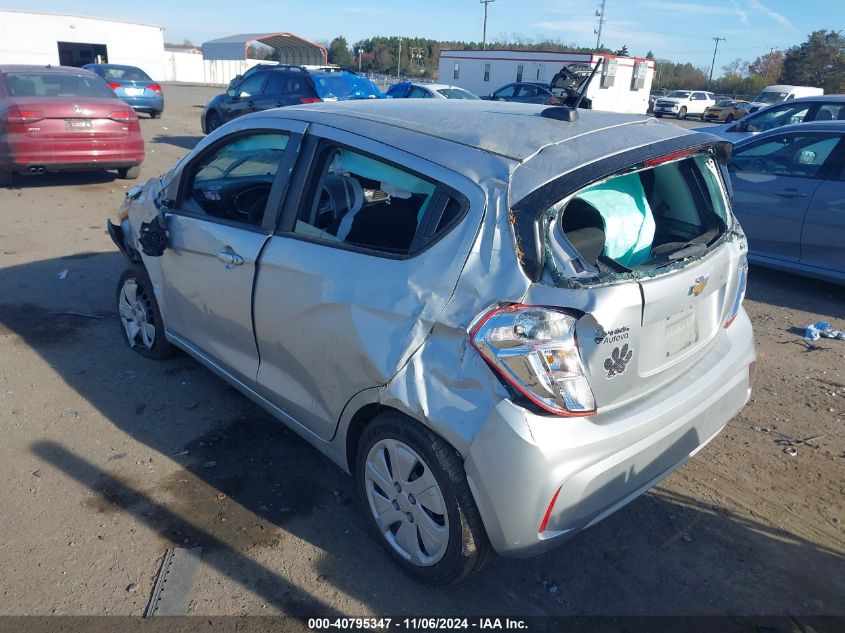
{"x": 628, "y": 220}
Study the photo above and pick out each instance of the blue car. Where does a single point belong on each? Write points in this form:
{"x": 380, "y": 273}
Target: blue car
{"x": 789, "y": 195}
{"x": 132, "y": 85}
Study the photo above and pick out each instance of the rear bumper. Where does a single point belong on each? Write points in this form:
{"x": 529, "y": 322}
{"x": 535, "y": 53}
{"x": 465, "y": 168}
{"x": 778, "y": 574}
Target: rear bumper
{"x": 54, "y": 157}
{"x": 519, "y": 462}
{"x": 146, "y": 104}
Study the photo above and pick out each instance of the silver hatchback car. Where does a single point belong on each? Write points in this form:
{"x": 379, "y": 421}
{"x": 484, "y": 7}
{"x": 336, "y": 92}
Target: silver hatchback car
{"x": 504, "y": 321}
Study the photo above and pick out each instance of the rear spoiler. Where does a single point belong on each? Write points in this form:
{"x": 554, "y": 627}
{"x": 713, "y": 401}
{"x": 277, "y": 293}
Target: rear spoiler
{"x": 527, "y": 215}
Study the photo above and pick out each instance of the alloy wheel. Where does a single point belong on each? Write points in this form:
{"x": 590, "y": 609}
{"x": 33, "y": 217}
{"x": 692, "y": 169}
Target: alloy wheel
{"x": 137, "y": 315}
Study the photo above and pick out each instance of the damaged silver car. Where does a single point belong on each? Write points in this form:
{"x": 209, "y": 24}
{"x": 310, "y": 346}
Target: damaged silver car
{"x": 505, "y": 321}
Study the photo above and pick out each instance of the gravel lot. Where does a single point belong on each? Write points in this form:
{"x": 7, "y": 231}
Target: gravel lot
{"x": 107, "y": 459}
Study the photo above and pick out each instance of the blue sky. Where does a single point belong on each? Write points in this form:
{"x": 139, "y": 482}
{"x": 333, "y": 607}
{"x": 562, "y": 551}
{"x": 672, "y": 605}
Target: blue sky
{"x": 681, "y": 31}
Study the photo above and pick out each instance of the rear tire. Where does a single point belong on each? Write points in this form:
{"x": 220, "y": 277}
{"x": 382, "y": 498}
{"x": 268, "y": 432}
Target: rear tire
{"x": 729, "y": 118}
{"x": 437, "y": 536}
{"x": 6, "y": 178}
{"x": 129, "y": 173}
{"x": 682, "y": 113}
{"x": 155, "y": 115}
{"x": 657, "y": 116}
{"x": 140, "y": 318}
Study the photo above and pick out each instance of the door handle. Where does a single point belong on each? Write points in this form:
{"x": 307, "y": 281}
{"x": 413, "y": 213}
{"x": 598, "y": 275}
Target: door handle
{"x": 790, "y": 193}
{"x": 230, "y": 258}
{"x": 250, "y": 103}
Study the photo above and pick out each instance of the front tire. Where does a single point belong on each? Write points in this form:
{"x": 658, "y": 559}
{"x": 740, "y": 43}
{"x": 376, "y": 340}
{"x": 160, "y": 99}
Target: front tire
{"x": 729, "y": 118}
{"x": 155, "y": 115}
{"x": 417, "y": 502}
{"x": 212, "y": 122}
{"x": 5, "y": 178}
{"x": 657, "y": 116}
{"x": 682, "y": 113}
{"x": 140, "y": 318}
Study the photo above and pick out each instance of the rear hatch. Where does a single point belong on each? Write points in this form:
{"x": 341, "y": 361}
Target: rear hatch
{"x": 656, "y": 255}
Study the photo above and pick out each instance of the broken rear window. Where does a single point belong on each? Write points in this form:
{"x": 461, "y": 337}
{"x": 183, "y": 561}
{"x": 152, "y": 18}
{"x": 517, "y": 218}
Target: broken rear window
{"x": 639, "y": 221}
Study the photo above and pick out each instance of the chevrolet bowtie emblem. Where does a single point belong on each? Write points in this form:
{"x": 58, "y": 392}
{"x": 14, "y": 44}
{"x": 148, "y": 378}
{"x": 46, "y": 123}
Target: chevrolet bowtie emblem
{"x": 698, "y": 287}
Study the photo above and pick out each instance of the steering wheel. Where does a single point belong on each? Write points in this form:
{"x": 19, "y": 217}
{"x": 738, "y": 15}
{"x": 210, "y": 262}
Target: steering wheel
{"x": 759, "y": 164}
{"x": 250, "y": 202}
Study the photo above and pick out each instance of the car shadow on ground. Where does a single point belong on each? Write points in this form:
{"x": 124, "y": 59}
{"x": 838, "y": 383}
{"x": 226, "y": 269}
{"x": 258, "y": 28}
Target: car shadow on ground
{"x": 252, "y": 493}
{"x": 184, "y": 142}
{"x": 788, "y": 290}
{"x": 69, "y": 178}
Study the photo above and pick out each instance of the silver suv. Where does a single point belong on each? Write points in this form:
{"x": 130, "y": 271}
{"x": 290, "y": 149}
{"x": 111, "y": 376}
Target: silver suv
{"x": 505, "y": 322}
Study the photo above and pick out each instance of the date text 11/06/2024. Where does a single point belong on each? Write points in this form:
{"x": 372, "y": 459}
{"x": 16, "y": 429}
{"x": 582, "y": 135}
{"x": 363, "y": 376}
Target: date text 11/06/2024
{"x": 418, "y": 623}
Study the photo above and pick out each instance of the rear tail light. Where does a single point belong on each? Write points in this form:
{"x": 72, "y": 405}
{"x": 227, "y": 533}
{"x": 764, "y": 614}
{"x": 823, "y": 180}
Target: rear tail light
{"x": 534, "y": 349}
{"x": 310, "y": 100}
{"x": 114, "y": 85}
{"x": 740, "y": 291}
{"x": 154, "y": 87}
{"x": 123, "y": 116}
{"x": 17, "y": 115}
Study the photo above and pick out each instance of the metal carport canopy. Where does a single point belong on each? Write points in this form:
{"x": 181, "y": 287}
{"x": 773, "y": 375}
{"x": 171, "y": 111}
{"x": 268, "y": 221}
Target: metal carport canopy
{"x": 293, "y": 49}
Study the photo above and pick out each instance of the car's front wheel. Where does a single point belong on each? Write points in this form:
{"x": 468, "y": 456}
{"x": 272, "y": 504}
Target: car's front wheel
{"x": 729, "y": 118}
{"x": 212, "y": 122}
{"x": 682, "y": 113}
{"x": 417, "y": 502}
{"x": 5, "y": 178}
{"x": 140, "y": 317}
{"x": 155, "y": 114}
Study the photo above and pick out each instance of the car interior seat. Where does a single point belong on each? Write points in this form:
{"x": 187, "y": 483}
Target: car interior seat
{"x": 824, "y": 115}
{"x": 841, "y": 115}
{"x": 583, "y": 227}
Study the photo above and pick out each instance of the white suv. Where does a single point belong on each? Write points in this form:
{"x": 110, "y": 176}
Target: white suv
{"x": 682, "y": 103}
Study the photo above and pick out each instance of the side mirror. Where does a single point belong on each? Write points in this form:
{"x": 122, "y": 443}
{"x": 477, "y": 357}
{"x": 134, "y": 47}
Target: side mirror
{"x": 490, "y": 96}
{"x": 742, "y": 126}
{"x": 237, "y": 78}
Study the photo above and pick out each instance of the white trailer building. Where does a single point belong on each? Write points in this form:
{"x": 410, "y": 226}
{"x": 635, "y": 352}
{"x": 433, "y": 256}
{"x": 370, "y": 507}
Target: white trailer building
{"x": 622, "y": 84}
{"x": 70, "y": 40}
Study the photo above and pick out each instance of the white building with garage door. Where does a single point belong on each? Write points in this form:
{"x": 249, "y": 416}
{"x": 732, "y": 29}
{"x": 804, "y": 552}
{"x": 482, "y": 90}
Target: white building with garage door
{"x": 622, "y": 84}
{"x": 71, "y": 40}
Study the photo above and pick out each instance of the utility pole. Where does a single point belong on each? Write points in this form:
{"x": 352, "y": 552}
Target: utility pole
{"x": 484, "y": 35}
{"x": 399, "y": 61}
{"x": 597, "y": 30}
{"x": 360, "y": 52}
{"x": 717, "y": 40}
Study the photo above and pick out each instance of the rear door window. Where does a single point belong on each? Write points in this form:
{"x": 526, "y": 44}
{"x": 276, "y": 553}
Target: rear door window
{"x": 362, "y": 202}
{"x": 277, "y": 84}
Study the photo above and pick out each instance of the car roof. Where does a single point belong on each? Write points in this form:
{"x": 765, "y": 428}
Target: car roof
{"x": 487, "y": 139}
{"x": 834, "y": 98}
{"x": 23, "y": 68}
{"x": 809, "y": 126}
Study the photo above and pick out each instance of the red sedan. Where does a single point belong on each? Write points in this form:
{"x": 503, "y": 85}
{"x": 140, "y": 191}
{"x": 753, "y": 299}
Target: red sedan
{"x": 57, "y": 118}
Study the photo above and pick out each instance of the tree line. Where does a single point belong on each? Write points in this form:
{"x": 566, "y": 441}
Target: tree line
{"x": 819, "y": 61}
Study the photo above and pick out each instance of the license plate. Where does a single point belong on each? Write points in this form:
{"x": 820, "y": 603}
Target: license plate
{"x": 134, "y": 92}
{"x": 680, "y": 334}
{"x": 79, "y": 124}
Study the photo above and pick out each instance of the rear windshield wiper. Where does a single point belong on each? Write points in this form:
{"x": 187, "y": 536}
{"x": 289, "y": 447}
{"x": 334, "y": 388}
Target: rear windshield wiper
{"x": 689, "y": 249}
